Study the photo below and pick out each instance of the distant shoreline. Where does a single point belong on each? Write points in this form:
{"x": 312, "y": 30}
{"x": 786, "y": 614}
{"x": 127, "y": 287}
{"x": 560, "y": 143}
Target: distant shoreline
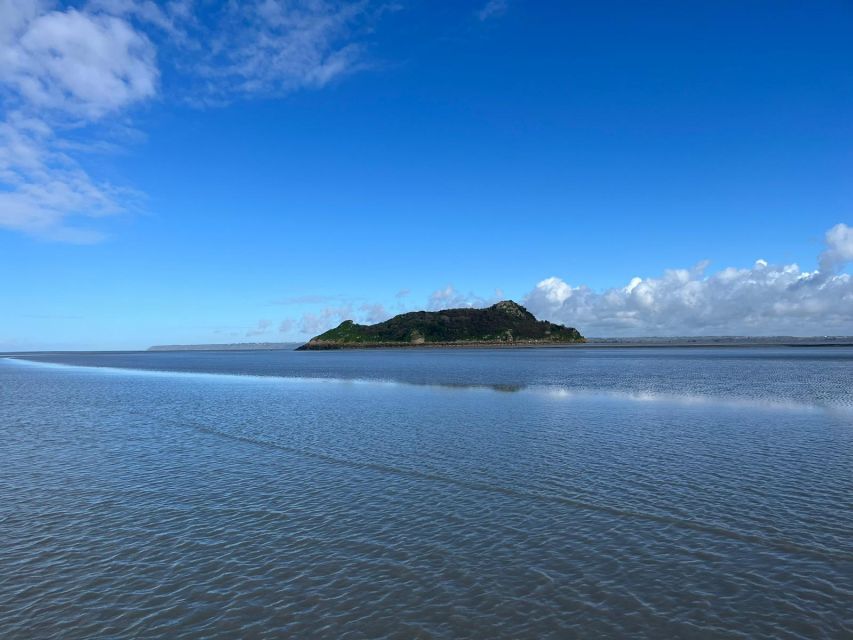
{"x": 592, "y": 343}
{"x": 238, "y": 346}
{"x": 597, "y": 343}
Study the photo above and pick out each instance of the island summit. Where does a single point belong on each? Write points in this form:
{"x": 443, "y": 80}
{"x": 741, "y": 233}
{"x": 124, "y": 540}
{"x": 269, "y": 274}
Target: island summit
{"x": 503, "y": 324}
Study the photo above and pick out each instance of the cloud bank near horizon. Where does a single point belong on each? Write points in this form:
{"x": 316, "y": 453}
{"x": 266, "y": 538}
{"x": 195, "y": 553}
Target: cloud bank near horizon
{"x": 763, "y": 299}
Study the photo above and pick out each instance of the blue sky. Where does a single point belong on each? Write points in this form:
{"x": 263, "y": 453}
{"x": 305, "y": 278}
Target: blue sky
{"x": 185, "y": 172}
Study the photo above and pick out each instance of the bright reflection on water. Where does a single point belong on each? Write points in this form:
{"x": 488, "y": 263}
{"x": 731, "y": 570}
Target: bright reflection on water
{"x": 433, "y": 494}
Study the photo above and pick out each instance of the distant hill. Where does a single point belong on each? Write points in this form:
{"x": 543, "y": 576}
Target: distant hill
{"x": 505, "y": 323}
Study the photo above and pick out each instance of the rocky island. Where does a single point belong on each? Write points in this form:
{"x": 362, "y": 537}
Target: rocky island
{"x": 503, "y": 324}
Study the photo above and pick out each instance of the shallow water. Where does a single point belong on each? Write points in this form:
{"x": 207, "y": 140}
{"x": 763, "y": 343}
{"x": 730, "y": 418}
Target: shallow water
{"x": 435, "y": 494}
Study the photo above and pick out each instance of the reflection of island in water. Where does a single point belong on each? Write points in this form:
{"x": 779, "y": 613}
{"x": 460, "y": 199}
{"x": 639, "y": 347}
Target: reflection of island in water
{"x": 502, "y": 388}
{"x": 503, "y": 324}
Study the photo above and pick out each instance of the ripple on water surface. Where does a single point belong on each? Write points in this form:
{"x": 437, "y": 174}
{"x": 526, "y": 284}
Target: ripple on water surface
{"x": 192, "y": 506}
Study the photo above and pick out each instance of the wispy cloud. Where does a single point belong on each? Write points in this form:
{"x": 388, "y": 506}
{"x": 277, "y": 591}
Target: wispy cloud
{"x": 449, "y": 298}
{"x": 259, "y": 330}
{"x": 275, "y": 46}
{"x": 170, "y": 18}
{"x": 763, "y": 299}
{"x": 233, "y": 49}
{"x": 314, "y": 323}
{"x": 493, "y": 9}
{"x": 333, "y": 309}
{"x": 64, "y": 72}
{"x": 373, "y": 313}
{"x": 45, "y": 190}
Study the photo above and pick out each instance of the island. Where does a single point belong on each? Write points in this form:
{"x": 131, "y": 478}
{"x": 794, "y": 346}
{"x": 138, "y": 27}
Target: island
{"x": 506, "y": 323}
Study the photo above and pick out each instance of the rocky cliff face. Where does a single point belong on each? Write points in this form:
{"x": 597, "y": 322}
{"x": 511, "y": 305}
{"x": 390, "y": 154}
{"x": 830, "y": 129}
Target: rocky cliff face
{"x": 512, "y": 309}
{"x": 506, "y": 322}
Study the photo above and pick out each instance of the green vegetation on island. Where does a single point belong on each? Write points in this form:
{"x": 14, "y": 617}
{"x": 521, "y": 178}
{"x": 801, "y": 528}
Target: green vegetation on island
{"x": 505, "y": 323}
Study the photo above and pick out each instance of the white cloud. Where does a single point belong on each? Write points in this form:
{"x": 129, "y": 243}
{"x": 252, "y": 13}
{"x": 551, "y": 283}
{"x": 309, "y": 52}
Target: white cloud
{"x": 314, "y": 323}
{"x": 839, "y": 248}
{"x": 45, "y": 188}
{"x": 170, "y": 17}
{"x": 76, "y": 63}
{"x": 62, "y": 71}
{"x": 760, "y": 300}
{"x": 270, "y": 47}
{"x": 373, "y": 313}
{"x": 493, "y": 9}
{"x": 327, "y": 318}
{"x": 450, "y": 298}
{"x": 555, "y": 290}
{"x": 260, "y": 329}
{"x": 71, "y": 70}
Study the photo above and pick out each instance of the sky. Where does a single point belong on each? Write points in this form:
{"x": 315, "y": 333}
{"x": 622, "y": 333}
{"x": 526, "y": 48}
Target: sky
{"x": 211, "y": 172}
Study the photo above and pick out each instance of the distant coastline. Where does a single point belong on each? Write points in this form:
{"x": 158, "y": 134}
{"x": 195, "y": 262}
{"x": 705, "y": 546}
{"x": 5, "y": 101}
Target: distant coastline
{"x": 724, "y": 341}
{"x": 632, "y": 342}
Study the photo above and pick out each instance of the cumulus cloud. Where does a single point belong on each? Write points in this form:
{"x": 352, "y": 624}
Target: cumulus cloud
{"x": 66, "y": 71}
{"x": 839, "y": 248}
{"x": 763, "y": 299}
{"x": 78, "y": 63}
{"x": 62, "y": 71}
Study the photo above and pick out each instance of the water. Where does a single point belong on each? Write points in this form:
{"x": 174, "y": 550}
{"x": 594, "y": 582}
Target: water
{"x": 542, "y": 493}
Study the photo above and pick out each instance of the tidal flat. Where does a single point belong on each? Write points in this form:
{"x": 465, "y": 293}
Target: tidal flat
{"x": 548, "y": 493}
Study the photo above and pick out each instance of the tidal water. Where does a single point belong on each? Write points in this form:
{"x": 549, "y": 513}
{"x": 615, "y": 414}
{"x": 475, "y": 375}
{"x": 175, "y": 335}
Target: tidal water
{"x": 530, "y": 493}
